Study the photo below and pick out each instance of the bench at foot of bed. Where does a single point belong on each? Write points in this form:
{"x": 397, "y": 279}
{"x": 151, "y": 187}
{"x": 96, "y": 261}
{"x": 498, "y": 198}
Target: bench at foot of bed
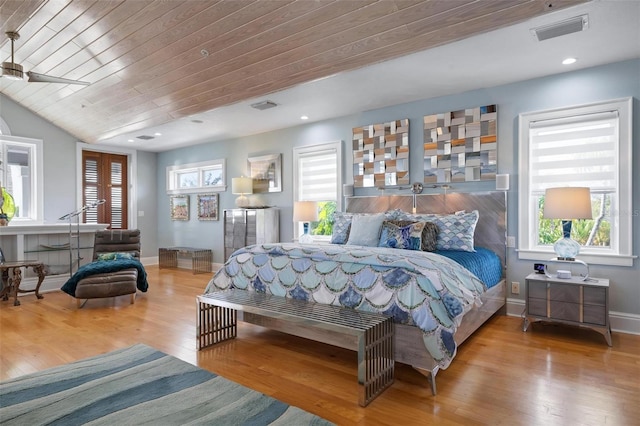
{"x": 370, "y": 334}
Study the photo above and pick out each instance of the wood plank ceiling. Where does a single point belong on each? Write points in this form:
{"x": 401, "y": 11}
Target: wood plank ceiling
{"x": 151, "y": 62}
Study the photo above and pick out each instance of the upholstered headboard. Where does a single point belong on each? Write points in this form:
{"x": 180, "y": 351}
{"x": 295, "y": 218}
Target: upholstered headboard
{"x": 117, "y": 240}
{"x": 491, "y": 230}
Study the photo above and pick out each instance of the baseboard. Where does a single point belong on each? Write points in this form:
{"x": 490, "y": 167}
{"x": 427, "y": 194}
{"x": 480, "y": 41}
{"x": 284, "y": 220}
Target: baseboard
{"x": 621, "y": 322}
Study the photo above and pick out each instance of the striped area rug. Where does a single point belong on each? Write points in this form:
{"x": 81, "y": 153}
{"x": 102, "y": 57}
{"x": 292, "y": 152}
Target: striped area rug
{"x": 139, "y": 385}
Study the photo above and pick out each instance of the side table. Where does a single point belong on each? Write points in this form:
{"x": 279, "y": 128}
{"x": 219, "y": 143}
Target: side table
{"x": 574, "y": 301}
{"x": 13, "y": 272}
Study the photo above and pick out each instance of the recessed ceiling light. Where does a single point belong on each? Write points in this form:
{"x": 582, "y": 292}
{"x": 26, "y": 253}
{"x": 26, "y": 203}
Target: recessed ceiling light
{"x": 130, "y": 140}
{"x": 158, "y": 134}
{"x": 304, "y": 117}
{"x": 569, "y": 61}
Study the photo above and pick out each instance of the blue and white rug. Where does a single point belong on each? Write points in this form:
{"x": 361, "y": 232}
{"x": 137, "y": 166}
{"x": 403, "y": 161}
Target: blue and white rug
{"x": 139, "y": 385}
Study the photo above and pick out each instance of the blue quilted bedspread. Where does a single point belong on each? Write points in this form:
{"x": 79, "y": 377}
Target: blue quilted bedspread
{"x": 94, "y": 268}
{"x": 416, "y": 288}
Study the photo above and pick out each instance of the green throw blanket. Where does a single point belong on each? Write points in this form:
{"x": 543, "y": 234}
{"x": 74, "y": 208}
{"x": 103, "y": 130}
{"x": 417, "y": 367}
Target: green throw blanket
{"x": 101, "y": 267}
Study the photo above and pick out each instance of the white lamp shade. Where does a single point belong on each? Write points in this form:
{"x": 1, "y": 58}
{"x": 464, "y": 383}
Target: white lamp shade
{"x": 305, "y": 211}
{"x": 567, "y": 203}
{"x": 242, "y": 185}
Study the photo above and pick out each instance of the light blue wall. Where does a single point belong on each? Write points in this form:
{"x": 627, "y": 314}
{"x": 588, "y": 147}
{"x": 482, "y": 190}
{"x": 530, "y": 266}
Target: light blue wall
{"x": 60, "y": 171}
{"x": 571, "y": 88}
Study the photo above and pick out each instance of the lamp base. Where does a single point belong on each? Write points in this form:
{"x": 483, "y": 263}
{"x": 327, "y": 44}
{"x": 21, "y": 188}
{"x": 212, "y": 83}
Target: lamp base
{"x": 242, "y": 202}
{"x": 566, "y": 249}
{"x": 305, "y": 238}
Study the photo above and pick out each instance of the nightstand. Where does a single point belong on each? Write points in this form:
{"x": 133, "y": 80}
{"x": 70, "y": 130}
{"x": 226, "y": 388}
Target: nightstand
{"x": 568, "y": 301}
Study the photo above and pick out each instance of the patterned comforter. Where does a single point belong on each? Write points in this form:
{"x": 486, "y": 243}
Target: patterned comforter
{"x": 416, "y": 288}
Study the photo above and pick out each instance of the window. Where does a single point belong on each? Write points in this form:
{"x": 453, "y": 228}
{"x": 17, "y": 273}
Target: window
{"x": 588, "y": 146}
{"x": 21, "y": 172}
{"x": 318, "y": 177}
{"x": 196, "y": 177}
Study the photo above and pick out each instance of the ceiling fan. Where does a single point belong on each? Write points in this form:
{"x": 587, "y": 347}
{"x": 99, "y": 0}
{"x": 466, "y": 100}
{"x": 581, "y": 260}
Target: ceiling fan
{"x": 13, "y": 71}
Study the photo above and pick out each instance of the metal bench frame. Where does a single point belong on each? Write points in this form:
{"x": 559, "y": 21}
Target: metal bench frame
{"x": 368, "y": 333}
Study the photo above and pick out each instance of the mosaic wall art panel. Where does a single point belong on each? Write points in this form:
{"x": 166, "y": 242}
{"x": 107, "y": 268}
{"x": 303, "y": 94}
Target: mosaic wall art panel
{"x": 381, "y": 154}
{"x": 461, "y": 146}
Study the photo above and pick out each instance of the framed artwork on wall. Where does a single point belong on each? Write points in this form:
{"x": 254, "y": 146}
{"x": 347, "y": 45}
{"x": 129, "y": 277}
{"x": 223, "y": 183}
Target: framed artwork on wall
{"x": 381, "y": 154}
{"x": 207, "y": 206}
{"x": 179, "y": 207}
{"x": 266, "y": 172}
{"x": 461, "y": 146}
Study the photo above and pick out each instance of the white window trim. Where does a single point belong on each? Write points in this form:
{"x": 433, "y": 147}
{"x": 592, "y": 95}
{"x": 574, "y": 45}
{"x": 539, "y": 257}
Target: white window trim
{"x": 37, "y": 198}
{"x": 132, "y": 177}
{"x": 297, "y": 151}
{"x": 527, "y": 248}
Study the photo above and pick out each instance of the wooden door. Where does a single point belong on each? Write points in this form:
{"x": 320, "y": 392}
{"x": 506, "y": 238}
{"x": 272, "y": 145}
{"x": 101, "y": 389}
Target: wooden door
{"x": 104, "y": 177}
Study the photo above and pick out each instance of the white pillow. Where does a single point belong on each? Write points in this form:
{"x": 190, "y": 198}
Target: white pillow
{"x": 365, "y": 230}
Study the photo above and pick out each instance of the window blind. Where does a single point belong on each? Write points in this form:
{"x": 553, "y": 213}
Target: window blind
{"x": 317, "y": 176}
{"x": 580, "y": 151}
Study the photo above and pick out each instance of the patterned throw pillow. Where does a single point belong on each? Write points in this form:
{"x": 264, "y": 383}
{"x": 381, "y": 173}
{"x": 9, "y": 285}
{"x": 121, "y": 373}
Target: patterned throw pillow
{"x": 455, "y": 231}
{"x": 429, "y": 233}
{"x": 341, "y": 226}
{"x": 408, "y": 237}
{"x": 114, "y": 256}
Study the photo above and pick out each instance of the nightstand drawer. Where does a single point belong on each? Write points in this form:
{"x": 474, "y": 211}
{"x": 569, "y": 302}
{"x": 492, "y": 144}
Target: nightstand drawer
{"x": 595, "y": 296}
{"x": 564, "y": 311}
{"x": 537, "y": 307}
{"x": 537, "y": 289}
{"x": 564, "y": 293}
{"x": 594, "y": 314}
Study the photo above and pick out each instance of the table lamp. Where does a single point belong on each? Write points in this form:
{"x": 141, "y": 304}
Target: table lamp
{"x": 305, "y": 211}
{"x": 567, "y": 204}
{"x": 241, "y": 186}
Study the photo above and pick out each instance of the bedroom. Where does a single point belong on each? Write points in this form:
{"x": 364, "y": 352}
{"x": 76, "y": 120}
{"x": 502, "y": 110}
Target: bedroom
{"x": 606, "y": 82}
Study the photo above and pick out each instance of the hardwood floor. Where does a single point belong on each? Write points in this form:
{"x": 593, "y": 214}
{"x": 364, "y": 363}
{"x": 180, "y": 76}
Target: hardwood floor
{"x": 551, "y": 375}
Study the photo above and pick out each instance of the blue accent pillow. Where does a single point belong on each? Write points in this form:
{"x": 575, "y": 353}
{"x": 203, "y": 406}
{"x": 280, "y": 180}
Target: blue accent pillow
{"x": 365, "y": 230}
{"x": 408, "y": 237}
{"x": 341, "y": 226}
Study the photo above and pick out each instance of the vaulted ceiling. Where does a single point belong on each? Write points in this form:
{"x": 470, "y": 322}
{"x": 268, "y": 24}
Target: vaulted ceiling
{"x": 155, "y": 62}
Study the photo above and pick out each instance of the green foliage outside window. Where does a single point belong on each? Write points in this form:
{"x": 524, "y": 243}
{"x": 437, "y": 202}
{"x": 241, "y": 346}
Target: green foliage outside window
{"x": 324, "y": 225}
{"x": 582, "y": 230}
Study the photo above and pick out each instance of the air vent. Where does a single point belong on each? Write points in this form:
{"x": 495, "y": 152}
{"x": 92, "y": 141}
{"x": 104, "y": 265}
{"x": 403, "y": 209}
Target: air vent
{"x": 145, "y": 137}
{"x": 573, "y": 25}
{"x": 264, "y": 105}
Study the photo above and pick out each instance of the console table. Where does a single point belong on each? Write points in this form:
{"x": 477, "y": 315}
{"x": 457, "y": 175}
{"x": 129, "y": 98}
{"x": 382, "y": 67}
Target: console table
{"x": 14, "y": 277}
{"x": 200, "y": 258}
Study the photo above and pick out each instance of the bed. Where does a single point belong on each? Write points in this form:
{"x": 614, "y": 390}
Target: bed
{"x": 436, "y": 302}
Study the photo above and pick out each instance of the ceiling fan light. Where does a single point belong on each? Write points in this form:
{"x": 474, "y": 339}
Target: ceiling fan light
{"x": 12, "y": 71}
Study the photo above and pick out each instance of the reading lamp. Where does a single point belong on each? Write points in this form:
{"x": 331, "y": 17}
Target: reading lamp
{"x": 567, "y": 204}
{"x": 241, "y": 186}
{"x": 305, "y": 211}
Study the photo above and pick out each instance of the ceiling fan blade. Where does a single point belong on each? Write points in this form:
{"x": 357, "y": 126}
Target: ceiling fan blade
{"x": 42, "y": 78}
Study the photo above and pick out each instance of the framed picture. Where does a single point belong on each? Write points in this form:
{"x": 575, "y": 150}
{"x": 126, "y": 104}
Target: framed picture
{"x": 179, "y": 207}
{"x": 207, "y": 206}
{"x": 266, "y": 172}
